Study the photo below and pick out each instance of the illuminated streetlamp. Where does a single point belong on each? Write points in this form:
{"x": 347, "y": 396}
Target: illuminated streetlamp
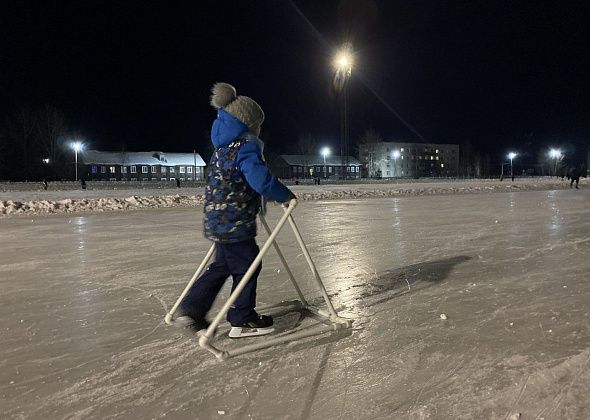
{"x": 511, "y": 156}
{"x": 395, "y": 155}
{"x": 77, "y": 146}
{"x": 556, "y": 155}
{"x": 343, "y": 71}
{"x": 325, "y": 152}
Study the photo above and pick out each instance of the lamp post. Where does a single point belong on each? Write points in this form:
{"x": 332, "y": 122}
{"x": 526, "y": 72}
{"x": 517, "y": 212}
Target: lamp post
{"x": 395, "y": 155}
{"x": 343, "y": 72}
{"x": 511, "y": 156}
{"x": 325, "y": 152}
{"x": 556, "y": 155}
{"x": 77, "y": 146}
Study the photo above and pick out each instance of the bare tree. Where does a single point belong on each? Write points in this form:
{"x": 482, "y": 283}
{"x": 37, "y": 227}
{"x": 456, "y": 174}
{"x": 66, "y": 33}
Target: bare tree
{"x": 370, "y": 136}
{"x": 51, "y": 133}
{"x": 19, "y": 132}
{"x": 306, "y": 145}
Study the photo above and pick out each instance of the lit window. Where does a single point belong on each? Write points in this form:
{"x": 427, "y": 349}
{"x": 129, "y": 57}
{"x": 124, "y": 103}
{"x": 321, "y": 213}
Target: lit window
{"x": 182, "y": 171}
{"x": 329, "y": 169}
{"x": 154, "y": 170}
{"x": 144, "y": 169}
{"x": 436, "y": 150}
{"x": 103, "y": 169}
{"x": 163, "y": 169}
{"x": 431, "y": 157}
{"x": 189, "y": 169}
{"x": 123, "y": 169}
{"x": 154, "y": 179}
{"x": 402, "y": 157}
{"x": 134, "y": 169}
{"x": 442, "y": 165}
{"x": 172, "y": 170}
{"x": 94, "y": 169}
{"x": 402, "y": 149}
{"x": 163, "y": 179}
{"x": 437, "y": 158}
{"x": 112, "y": 169}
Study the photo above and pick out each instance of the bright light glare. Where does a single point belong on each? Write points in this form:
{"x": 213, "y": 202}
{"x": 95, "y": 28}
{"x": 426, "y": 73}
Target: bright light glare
{"x": 395, "y": 154}
{"x": 325, "y": 151}
{"x": 77, "y": 146}
{"x": 343, "y": 61}
{"x": 45, "y": 160}
{"x": 512, "y": 155}
{"x": 555, "y": 153}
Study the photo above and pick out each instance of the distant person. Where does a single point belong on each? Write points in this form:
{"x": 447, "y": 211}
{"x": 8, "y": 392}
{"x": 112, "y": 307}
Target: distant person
{"x": 237, "y": 177}
{"x": 83, "y": 183}
{"x": 574, "y": 174}
{"x": 319, "y": 180}
{"x": 45, "y": 184}
{"x": 177, "y": 182}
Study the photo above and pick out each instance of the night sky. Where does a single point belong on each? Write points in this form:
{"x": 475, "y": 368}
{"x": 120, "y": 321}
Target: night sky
{"x": 137, "y": 74}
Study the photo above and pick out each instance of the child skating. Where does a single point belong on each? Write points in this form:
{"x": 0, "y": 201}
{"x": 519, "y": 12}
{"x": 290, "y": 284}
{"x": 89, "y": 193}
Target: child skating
{"x": 237, "y": 177}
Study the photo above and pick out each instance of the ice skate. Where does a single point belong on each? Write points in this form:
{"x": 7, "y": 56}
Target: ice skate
{"x": 260, "y": 326}
{"x": 185, "y": 321}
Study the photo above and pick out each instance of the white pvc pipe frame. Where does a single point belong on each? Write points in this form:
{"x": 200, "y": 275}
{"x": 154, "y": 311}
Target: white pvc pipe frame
{"x": 334, "y": 321}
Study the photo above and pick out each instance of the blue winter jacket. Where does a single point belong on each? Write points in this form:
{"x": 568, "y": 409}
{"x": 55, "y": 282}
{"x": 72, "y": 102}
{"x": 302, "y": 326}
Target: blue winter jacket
{"x": 237, "y": 176}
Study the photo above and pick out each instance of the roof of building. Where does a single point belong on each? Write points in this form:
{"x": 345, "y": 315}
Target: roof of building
{"x": 141, "y": 158}
{"x": 410, "y": 144}
{"x": 314, "y": 160}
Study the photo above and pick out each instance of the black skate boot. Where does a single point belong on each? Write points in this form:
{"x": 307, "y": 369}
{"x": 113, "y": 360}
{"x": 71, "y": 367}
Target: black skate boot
{"x": 186, "y": 321}
{"x": 258, "y": 326}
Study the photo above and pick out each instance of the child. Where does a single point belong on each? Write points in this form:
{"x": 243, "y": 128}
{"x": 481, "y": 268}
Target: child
{"x": 237, "y": 176}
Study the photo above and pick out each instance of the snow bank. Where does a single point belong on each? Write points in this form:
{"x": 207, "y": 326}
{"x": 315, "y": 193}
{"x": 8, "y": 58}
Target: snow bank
{"x": 324, "y": 192}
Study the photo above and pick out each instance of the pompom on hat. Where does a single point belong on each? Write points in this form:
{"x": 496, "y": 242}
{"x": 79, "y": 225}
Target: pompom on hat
{"x": 245, "y": 109}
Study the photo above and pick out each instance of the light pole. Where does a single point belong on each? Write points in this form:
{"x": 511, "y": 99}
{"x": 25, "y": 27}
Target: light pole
{"x": 325, "y": 152}
{"x": 395, "y": 155}
{"x": 556, "y": 155}
{"x": 511, "y": 156}
{"x": 77, "y": 146}
{"x": 343, "y": 67}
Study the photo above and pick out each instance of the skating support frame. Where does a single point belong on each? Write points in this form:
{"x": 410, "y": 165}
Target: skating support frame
{"x": 331, "y": 320}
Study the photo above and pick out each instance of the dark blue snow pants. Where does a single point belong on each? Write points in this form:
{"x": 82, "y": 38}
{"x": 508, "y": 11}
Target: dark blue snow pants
{"x": 230, "y": 259}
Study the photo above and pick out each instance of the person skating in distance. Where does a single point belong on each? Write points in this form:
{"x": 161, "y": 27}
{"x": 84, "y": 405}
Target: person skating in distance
{"x": 236, "y": 178}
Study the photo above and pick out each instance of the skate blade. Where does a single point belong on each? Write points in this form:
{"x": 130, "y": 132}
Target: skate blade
{"x": 239, "y": 332}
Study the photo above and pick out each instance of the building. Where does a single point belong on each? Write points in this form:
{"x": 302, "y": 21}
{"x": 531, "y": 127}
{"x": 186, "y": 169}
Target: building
{"x": 311, "y": 166}
{"x": 409, "y": 160}
{"x": 141, "y": 166}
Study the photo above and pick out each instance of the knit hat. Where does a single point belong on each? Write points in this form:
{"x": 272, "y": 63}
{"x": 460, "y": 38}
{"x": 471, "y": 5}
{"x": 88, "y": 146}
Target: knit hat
{"x": 245, "y": 109}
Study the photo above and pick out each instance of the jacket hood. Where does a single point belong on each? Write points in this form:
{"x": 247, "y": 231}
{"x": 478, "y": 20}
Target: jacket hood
{"x": 226, "y": 128}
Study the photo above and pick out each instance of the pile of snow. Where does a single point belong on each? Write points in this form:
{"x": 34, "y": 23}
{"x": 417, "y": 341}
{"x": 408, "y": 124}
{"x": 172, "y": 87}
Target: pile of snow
{"x": 325, "y": 192}
{"x": 69, "y": 205}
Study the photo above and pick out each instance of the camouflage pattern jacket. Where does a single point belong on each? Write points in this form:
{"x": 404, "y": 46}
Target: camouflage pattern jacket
{"x": 236, "y": 177}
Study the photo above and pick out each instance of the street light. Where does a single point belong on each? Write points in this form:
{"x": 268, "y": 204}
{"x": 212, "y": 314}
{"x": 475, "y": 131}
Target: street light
{"x": 511, "y": 156}
{"x": 395, "y": 155}
{"x": 77, "y": 146}
{"x": 555, "y": 154}
{"x": 343, "y": 70}
{"x": 325, "y": 152}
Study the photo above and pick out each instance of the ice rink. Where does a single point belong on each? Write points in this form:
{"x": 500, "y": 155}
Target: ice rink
{"x": 83, "y": 299}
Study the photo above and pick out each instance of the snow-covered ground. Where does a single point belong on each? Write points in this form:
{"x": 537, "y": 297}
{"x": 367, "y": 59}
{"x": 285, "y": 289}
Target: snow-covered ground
{"x": 84, "y": 296}
{"x": 75, "y": 201}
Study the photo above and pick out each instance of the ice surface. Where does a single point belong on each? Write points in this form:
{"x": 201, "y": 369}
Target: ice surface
{"x": 83, "y": 298}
